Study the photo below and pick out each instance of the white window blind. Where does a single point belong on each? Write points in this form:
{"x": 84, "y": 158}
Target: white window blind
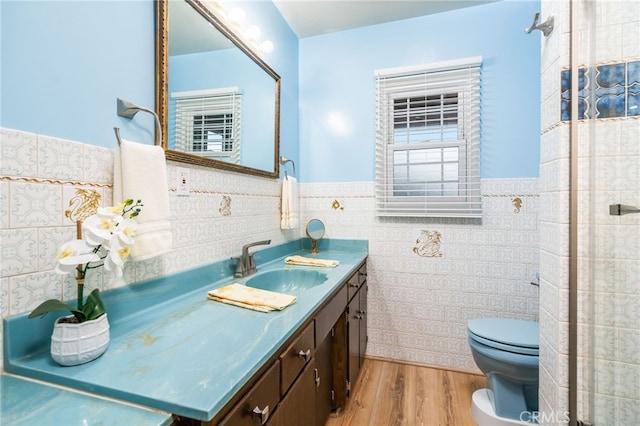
{"x": 428, "y": 140}
{"x": 208, "y": 123}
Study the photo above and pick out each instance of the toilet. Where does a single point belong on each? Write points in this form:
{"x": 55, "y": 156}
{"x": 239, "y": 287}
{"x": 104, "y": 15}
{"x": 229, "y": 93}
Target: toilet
{"x": 506, "y": 351}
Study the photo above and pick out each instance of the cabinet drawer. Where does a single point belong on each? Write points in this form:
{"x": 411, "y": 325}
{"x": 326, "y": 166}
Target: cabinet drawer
{"x": 256, "y": 406}
{"x": 330, "y": 313}
{"x": 356, "y": 281}
{"x": 295, "y": 357}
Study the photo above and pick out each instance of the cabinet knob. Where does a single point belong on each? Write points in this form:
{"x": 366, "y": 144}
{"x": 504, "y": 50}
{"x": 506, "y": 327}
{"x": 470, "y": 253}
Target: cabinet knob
{"x": 317, "y": 379}
{"x": 262, "y": 414}
{"x": 306, "y": 355}
{"x": 354, "y": 285}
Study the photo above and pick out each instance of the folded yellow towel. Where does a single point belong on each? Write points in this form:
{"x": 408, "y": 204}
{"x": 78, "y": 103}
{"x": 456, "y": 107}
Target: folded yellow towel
{"x": 308, "y": 261}
{"x": 251, "y": 298}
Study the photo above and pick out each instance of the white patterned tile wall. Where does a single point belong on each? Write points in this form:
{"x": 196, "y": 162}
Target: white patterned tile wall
{"x": 419, "y": 305}
{"x": 40, "y": 174}
{"x": 608, "y": 246}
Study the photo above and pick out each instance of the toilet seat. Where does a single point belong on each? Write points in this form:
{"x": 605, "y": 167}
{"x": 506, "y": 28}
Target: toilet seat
{"x": 512, "y": 335}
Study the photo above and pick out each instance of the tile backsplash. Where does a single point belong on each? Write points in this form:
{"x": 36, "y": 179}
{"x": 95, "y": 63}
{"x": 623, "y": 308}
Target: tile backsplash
{"x": 39, "y": 175}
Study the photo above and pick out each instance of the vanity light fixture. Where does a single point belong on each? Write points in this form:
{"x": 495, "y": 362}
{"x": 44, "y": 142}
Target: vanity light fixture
{"x": 235, "y": 18}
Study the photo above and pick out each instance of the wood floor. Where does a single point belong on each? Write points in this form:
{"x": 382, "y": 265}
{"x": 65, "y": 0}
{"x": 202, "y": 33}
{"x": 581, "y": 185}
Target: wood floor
{"x": 389, "y": 393}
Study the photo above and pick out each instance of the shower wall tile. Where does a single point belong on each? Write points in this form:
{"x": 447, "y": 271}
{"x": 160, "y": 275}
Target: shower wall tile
{"x": 608, "y": 245}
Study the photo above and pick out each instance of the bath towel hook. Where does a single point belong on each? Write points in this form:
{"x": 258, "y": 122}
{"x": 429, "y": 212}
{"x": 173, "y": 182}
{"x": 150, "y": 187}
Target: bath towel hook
{"x": 127, "y": 109}
{"x": 284, "y": 160}
{"x": 546, "y": 27}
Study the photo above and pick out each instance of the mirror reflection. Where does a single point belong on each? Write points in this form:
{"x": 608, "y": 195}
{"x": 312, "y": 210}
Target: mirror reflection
{"x": 315, "y": 231}
{"x": 218, "y": 101}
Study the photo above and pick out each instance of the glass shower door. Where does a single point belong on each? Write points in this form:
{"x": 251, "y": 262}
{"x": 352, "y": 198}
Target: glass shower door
{"x": 609, "y": 230}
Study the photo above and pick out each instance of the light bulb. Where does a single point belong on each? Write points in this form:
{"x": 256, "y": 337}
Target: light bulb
{"x": 236, "y": 15}
{"x": 254, "y": 32}
{"x": 266, "y": 46}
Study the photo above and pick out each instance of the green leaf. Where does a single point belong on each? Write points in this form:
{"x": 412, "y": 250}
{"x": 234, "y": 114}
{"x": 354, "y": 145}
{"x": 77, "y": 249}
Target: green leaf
{"x": 53, "y": 305}
{"x": 93, "y": 307}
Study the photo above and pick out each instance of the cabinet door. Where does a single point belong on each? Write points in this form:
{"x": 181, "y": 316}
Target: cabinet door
{"x": 258, "y": 403}
{"x": 295, "y": 357}
{"x": 324, "y": 400}
{"x": 364, "y": 337}
{"x": 353, "y": 338}
{"x": 298, "y": 405}
{"x": 340, "y": 362}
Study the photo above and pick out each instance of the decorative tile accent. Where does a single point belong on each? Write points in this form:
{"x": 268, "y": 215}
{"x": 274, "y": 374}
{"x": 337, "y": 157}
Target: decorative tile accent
{"x": 517, "y": 204}
{"x": 225, "y": 206}
{"x": 615, "y": 89}
{"x": 428, "y": 244}
{"x": 583, "y": 94}
{"x": 83, "y": 204}
{"x": 336, "y": 205}
{"x": 633, "y": 88}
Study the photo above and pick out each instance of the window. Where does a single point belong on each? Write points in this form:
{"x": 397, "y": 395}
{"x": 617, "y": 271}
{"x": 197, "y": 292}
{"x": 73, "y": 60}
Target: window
{"x": 428, "y": 140}
{"x": 207, "y": 123}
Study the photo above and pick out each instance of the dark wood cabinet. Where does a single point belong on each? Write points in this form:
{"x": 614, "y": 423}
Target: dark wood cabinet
{"x": 259, "y": 402}
{"x": 356, "y": 328}
{"x": 324, "y": 390}
{"x": 299, "y": 404}
{"x": 309, "y": 377}
{"x": 295, "y": 357}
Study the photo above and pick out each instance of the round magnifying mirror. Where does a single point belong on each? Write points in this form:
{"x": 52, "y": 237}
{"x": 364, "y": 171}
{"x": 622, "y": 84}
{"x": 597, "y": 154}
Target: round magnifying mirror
{"x": 315, "y": 231}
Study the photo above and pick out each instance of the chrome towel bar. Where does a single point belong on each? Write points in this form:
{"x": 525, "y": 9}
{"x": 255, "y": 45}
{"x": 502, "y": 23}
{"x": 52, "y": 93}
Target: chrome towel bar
{"x": 620, "y": 209}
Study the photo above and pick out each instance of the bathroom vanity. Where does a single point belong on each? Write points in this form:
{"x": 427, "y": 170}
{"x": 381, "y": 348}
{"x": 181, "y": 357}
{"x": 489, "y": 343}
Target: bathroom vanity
{"x": 207, "y": 362}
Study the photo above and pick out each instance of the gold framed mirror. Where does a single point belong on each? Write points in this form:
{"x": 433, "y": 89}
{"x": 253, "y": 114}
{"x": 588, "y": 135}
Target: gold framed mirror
{"x": 217, "y": 100}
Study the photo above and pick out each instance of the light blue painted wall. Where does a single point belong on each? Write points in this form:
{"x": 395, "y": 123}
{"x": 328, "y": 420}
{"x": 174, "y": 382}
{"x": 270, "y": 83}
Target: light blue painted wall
{"x": 64, "y": 63}
{"x": 337, "y": 99}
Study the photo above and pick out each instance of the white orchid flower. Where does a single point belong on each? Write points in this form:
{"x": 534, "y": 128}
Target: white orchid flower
{"x": 73, "y": 253}
{"x": 118, "y": 255}
{"x": 99, "y": 227}
{"x": 126, "y": 231}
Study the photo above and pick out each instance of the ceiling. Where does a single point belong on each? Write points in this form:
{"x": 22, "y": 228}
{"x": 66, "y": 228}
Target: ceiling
{"x": 313, "y": 17}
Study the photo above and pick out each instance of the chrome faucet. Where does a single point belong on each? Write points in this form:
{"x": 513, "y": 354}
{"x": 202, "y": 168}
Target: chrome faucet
{"x": 246, "y": 266}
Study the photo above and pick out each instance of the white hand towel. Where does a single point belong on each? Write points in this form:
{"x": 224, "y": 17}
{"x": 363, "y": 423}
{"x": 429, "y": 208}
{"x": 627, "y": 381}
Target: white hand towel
{"x": 140, "y": 173}
{"x": 289, "y": 210}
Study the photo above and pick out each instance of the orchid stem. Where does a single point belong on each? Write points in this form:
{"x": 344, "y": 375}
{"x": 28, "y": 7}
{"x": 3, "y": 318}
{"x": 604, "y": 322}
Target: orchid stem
{"x": 81, "y": 272}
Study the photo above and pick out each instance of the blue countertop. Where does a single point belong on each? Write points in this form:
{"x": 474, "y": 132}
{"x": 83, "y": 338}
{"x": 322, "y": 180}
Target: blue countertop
{"x": 171, "y": 348}
{"x": 28, "y": 403}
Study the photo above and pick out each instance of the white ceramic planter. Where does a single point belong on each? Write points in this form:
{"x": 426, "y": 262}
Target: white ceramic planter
{"x": 73, "y": 343}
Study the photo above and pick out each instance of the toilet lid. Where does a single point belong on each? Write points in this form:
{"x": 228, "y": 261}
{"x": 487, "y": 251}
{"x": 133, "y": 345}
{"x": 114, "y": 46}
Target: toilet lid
{"x": 509, "y": 334}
